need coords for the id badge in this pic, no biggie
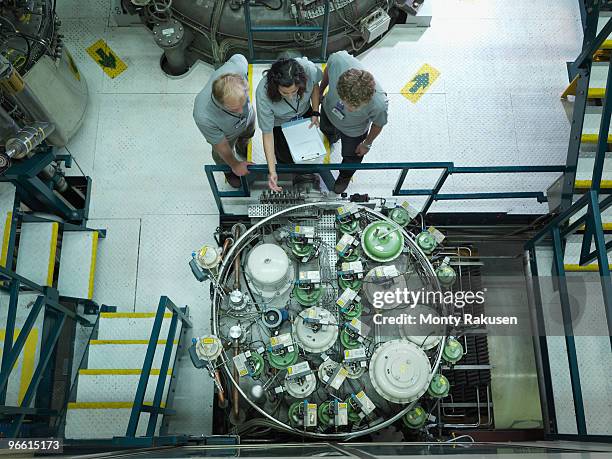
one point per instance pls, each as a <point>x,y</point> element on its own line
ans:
<point>338,110</point>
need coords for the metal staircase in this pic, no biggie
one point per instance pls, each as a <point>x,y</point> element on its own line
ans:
<point>569,260</point>
<point>38,257</point>
<point>127,376</point>
<point>122,363</point>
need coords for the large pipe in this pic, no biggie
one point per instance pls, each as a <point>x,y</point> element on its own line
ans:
<point>27,139</point>
<point>237,260</point>
<point>14,85</point>
<point>221,391</point>
<point>235,394</point>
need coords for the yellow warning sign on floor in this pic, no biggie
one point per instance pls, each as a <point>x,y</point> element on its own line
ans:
<point>420,83</point>
<point>106,58</point>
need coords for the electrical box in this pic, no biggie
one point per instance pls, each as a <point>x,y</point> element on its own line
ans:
<point>375,25</point>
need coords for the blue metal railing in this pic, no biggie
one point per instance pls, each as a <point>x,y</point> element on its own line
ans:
<point>558,229</point>
<point>433,194</point>
<point>155,409</point>
<point>46,301</point>
<point>323,29</point>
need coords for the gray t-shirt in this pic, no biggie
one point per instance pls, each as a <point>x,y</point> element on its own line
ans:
<point>213,120</point>
<point>270,114</point>
<point>352,124</point>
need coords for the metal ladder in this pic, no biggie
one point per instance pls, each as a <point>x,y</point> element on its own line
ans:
<point>324,30</point>
<point>567,224</point>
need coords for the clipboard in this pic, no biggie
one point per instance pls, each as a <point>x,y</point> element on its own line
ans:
<point>304,144</point>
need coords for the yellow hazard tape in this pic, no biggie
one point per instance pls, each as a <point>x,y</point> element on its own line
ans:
<point>132,315</point>
<point>119,371</point>
<point>104,405</point>
<point>577,268</point>
<point>106,58</point>
<point>52,251</point>
<point>586,184</point>
<point>6,238</point>
<point>593,138</point>
<point>92,266</point>
<point>420,83</point>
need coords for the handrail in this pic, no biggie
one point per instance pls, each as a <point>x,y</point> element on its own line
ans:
<point>47,292</point>
<point>434,194</point>
<point>155,408</point>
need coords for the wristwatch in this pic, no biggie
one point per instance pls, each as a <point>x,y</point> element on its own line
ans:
<point>367,145</point>
<point>315,113</point>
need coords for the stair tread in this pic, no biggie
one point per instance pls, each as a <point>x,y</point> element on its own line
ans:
<point>102,388</point>
<point>124,356</point>
<point>586,161</point>
<point>133,326</point>
<point>96,420</point>
<point>36,255</point>
<point>77,264</point>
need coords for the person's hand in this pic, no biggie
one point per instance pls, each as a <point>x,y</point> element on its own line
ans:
<point>240,169</point>
<point>273,182</point>
<point>361,149</point>
<point>314,121</point>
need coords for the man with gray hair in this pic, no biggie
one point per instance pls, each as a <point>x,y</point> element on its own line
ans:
<point>354,110</point>
<point>225,116</point>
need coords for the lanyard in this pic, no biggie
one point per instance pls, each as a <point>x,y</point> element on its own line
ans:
<point>297,108</point>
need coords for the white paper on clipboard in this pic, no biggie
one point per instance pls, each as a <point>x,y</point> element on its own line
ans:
<point>304,144</point>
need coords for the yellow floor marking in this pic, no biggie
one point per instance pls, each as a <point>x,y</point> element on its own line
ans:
<point>127,341</point>
<point>132,315</point>
<point>420,83</point>
<point>106,58</point>
<point>6,238</point>
<point>119,371</point>
<point>92,267</point>
<point>586,184</point>
<point>104,405</point>
<point>52,250</point>
<point>577,268</point>
<point>250,146</point>
<point>593,138</point>
<point>29,358</point>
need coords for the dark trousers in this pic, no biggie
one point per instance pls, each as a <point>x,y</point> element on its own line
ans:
<point>349,144</point>
<point>281,149</point>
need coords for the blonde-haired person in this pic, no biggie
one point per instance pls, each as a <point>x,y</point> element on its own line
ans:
<point>354,110</point>
<point>225,116</point>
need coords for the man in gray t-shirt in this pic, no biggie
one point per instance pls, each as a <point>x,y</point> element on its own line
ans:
<point>354,110</point>
<point>225,116</point>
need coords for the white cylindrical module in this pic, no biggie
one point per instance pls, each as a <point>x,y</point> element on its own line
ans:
<point>269,271</point>
<point>400,371</point>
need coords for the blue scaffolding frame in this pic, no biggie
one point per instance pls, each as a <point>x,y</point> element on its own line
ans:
<point>433,194</point>
<point>47,301</point>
